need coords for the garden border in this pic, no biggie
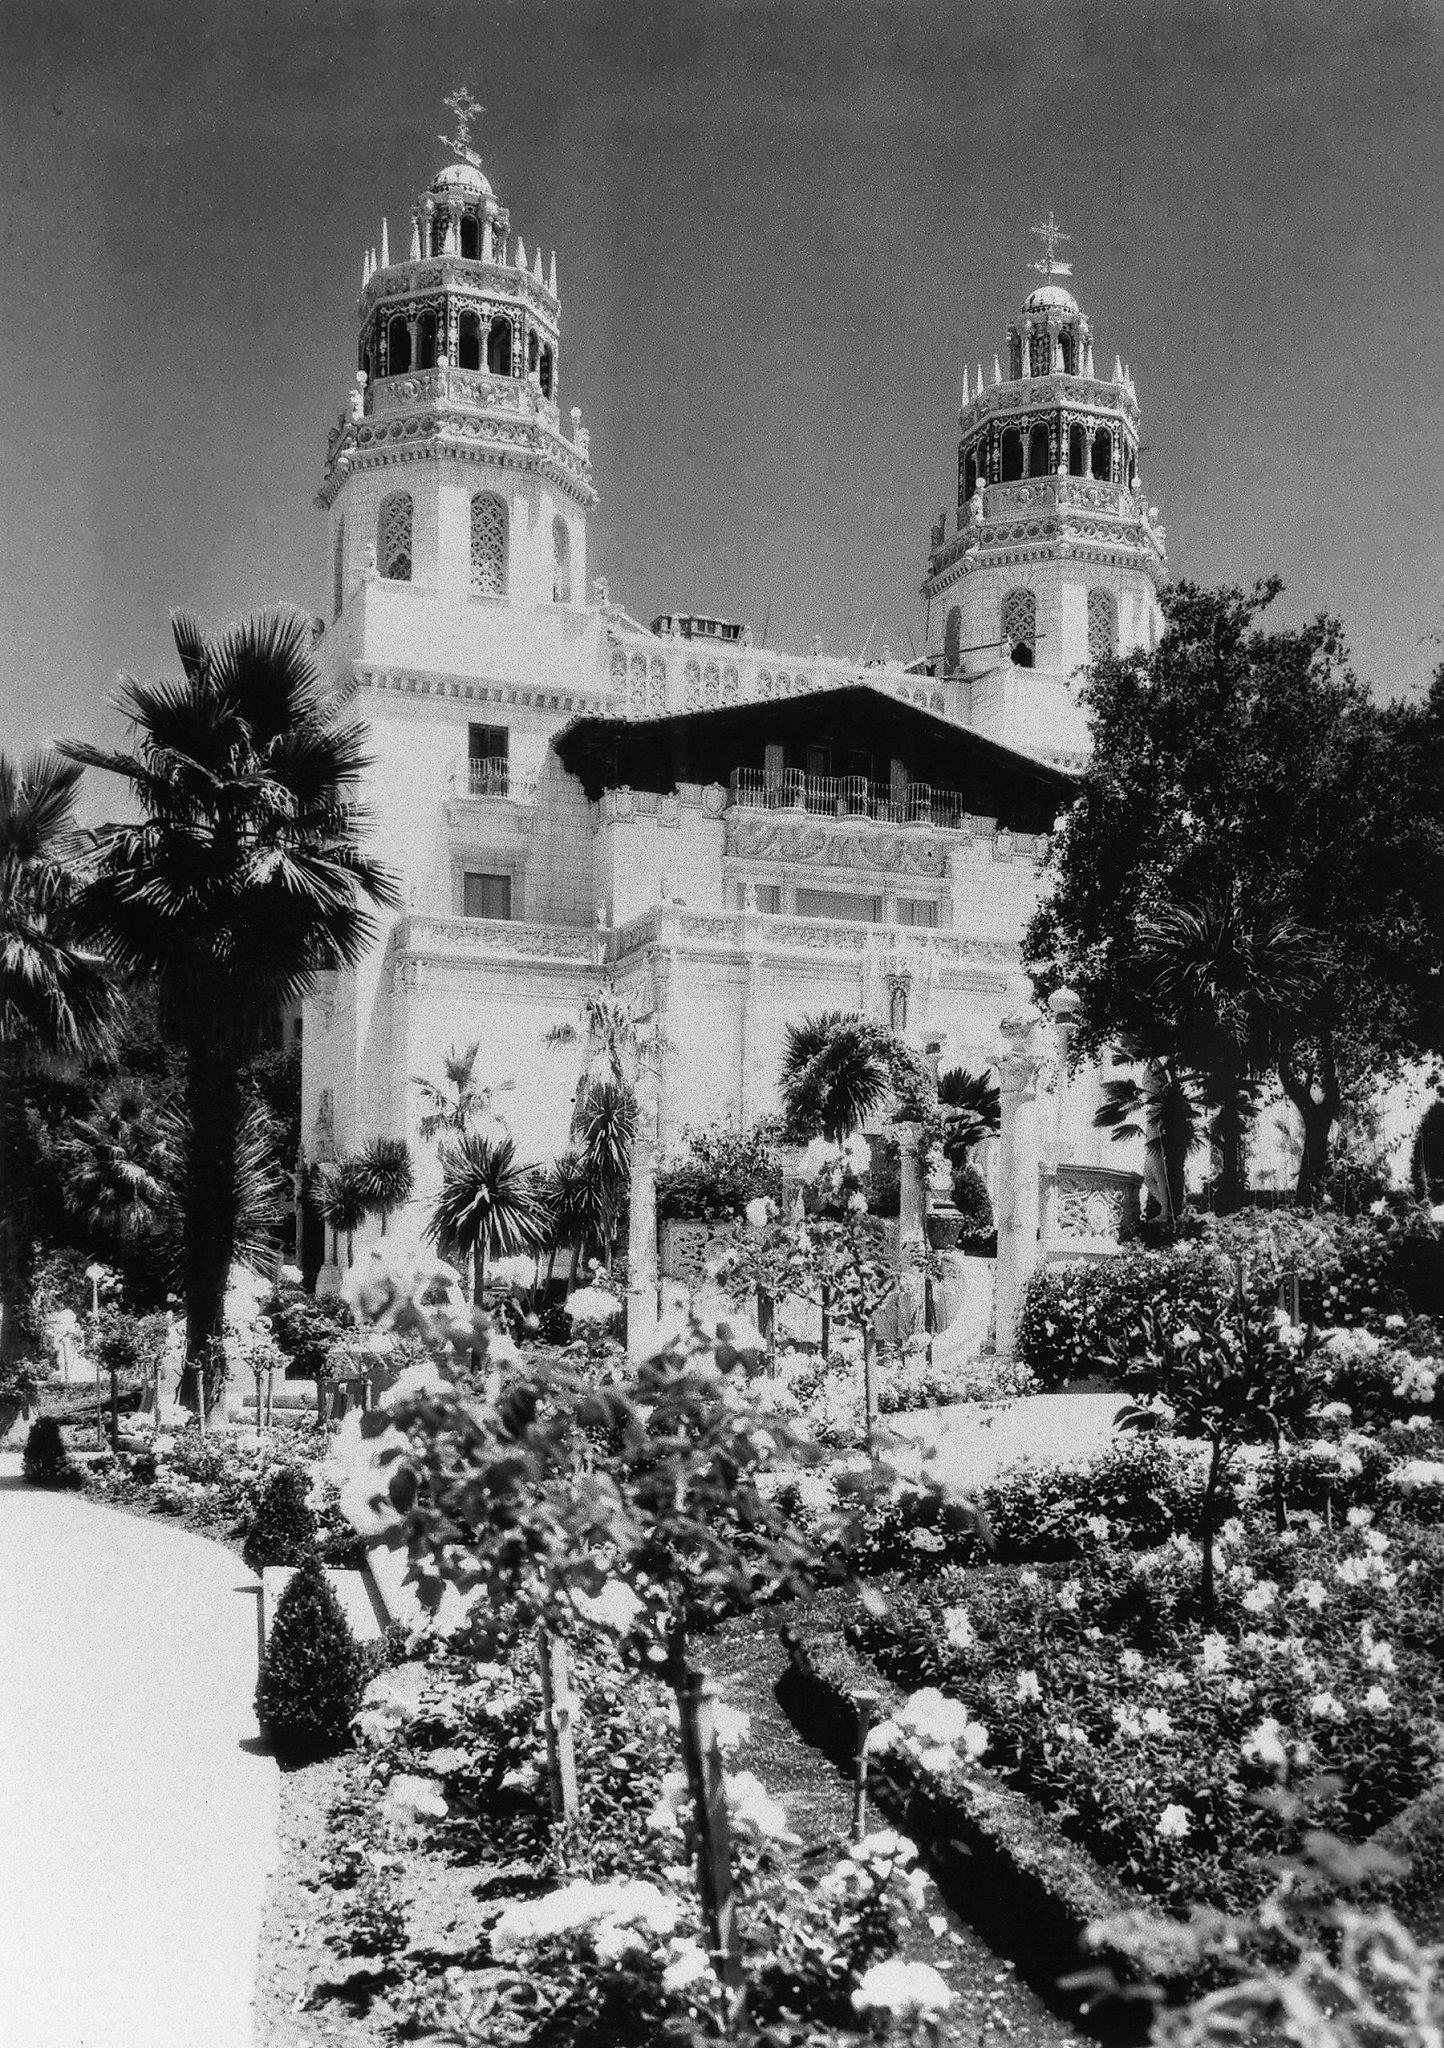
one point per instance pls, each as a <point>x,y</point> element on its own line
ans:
<point>1001,1862</point>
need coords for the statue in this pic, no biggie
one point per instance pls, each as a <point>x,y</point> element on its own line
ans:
<point>749,897</point>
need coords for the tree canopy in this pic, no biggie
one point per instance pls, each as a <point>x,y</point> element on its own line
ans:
<point>1247,795</point>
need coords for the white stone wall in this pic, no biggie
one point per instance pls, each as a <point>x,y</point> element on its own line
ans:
<point>644,841</point>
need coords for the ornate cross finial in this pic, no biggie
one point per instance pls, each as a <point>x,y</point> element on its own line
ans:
<point>1050,234</point>
<point>465,108</point>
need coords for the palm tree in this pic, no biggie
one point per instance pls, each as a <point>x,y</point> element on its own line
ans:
<point>55,998</point>
<point>238,887</point>
<point>345,1202</point>
<point>118,1164</point>
<point>571,1210</point>
<point>387,1176</point>
<point>1227,987</point>
<point>970,1108</point>
<point>459,1103</point>
<point>1160,1105</point>
<point>488,1205</point>
<point>836,1070</point>
<point>617,1049</point>
<point>608,1121</point>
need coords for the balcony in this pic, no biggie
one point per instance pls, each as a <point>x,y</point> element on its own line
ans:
<point>490,780</point>
<point>848,796</point>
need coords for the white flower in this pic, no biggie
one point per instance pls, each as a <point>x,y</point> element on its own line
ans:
<point>1028,1687</point>
<point>1260,1598</point>
<point>1420,1475</point>
<point>909,1991</point>
<point>934,1726</point>
<point>1379,1657</point>
<point>622,1903</point>
<point>688,1965</point>
<point>1156,1721</point>
<point>1214,1654</point>
<point>750,1803</point>
<point>1127,1722</point>
<point>730,1724</point>
<point>415,1798</point>
<point>1069,1731</point>
<point>1099,1528</point>
<point>1068,1596</point>
<point>1359,1518</point>
<point>1324,1707</point>
<point>884,1845</point>
<point>958,1629</point>
<point>1312,1592</point>
<point>925,1539</point>
<point>1376,1699</point>
<point>1131,1662</point>
<point>759,1213</point>
<point>665,1817</point>
<point>592,1308</point>
<point>616,1607</point>
<point>1173,1823</point>
<point>1265,1745</point>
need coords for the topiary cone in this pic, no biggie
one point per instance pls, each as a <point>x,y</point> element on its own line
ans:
<point>312,1678</point>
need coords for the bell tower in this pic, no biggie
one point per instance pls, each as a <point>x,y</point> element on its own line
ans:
<point>1051,556</point>
<point>450,469</point>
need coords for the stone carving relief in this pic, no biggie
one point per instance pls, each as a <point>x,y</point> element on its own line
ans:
<point>822,846</point>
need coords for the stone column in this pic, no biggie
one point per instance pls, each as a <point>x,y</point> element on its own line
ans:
<point>910,1211</point>
<point>1064,1005</point>
<point>1017,1207</point>
<point>642,1228</point>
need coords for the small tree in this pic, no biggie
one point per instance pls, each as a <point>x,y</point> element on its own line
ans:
<point>283,1528</point>
<point>46,1461</point>
<point>386,1176</point>
<point>489,1204</point>
<point>1240,1376</point>
<point>314,1673</point>
<point>345,1202</point>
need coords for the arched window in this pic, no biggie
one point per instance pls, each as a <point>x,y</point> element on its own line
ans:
<point>561,562</point>
<point>1102,624</point>
<point>970,475</point>
<point>438,234</point>
<point>470,238</point>
<point>338,568</point>
<point>426,342</point>
<point>1040,355</point>
<point>1103,454</point>
<point>546,372</point>
<point>398,347</point>
<point>468,342</point>
<point>1020,626</point>
<point>498,347</point>
<point>488,545</point>
<point>1070,352</point>
<point>393,537</point>
<point>1038,451</point>
<point>953,641</point>
<point>1077,451</point>
<point>533,353</point>
<point>1012,455</point>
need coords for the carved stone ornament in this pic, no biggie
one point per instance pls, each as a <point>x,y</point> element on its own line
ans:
<point>1018,1067</point>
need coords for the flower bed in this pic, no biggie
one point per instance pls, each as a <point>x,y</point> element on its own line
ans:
<point>1149,1739</point>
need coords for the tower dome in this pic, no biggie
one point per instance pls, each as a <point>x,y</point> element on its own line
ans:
<point>468,178</point>
<point>1050,557</point>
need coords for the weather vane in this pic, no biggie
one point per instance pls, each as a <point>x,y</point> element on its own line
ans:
<point>1051,235</point>
<point>465,108</point>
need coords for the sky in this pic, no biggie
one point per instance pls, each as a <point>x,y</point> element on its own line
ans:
<point>781,228</point>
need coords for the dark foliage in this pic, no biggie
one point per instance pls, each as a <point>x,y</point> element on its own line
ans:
<point>283,1528</point>
<point>46,1462</point>
<point>314,1672</point>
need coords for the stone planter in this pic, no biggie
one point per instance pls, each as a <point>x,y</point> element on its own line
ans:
<point>945,1230</point>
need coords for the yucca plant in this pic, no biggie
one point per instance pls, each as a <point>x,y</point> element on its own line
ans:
<point>387,1176</point>
<point>489,1205</point>
<point>607,1124</point>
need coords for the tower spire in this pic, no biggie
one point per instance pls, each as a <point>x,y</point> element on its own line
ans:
<point>1050,234</point>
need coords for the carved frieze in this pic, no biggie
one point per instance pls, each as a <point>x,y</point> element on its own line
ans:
<point>818,845</point>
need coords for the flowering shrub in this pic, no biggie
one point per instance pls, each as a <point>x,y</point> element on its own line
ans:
<point>1077,1318</point>
<point>720,1172</point>
<point>1150,1737</point>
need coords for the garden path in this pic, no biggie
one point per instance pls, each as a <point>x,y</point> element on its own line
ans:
<point>971,1442</point>
<point>137,1811</point>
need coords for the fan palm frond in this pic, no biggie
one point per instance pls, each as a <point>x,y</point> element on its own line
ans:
<point>489,1205</point>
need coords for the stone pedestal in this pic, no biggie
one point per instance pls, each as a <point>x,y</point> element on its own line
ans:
<point>910,1182</point>
<point>1018,1165</point>
<point>642,1231</point>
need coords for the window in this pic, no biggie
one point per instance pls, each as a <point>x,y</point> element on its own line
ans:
<point>1070,352</point>
<point>1012,455</point>
<point>426,342</point>
<point>488,751</point>
<point>1102,624</point>
<point>468,342</point>
<point>486,896</point>
<point>1020,626</point>
<point>916,910</point>
<point>561,562</point>
<point>1103,454</point>
<point>498,347</point>
<point>970,476</point>
<point>819,762</point>
<point>839,903</point>
<point>470,239</point>
<point>769,897</point>
<point>338,569</point>
<point>1077,451</point>
<point>953,640</point>
<point>393,537</point>
<point>488,545</point>
<point>548,371</point>
<point>398,348</point>
<point>1038,464</point>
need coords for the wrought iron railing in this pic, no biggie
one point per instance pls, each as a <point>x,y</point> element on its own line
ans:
<point>488,775</point>
<point>847,796</point>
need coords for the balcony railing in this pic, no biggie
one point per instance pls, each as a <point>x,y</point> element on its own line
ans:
<point>847,796</point>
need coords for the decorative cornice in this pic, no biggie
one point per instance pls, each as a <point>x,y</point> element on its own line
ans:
<point>442,430</point>
<point>1094,394</point>
<point>404,682</point>
<point>924,850</point>
<point>458,274</point>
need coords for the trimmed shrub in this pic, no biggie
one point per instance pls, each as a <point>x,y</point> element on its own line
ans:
<point>721,1171</point>
<point>970,1199</point>
<point>1083,1318</point>
<point>45,1461</point>
<point>314,1673</point>
<point>283,1528</point>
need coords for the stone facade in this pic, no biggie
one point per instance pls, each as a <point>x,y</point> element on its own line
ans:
<point>532,787</point>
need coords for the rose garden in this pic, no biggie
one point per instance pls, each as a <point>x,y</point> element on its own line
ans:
<point>714,1678</point>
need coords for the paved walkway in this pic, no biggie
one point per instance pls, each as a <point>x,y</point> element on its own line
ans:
<point>137,1816</point>
<point>971,1443</point>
